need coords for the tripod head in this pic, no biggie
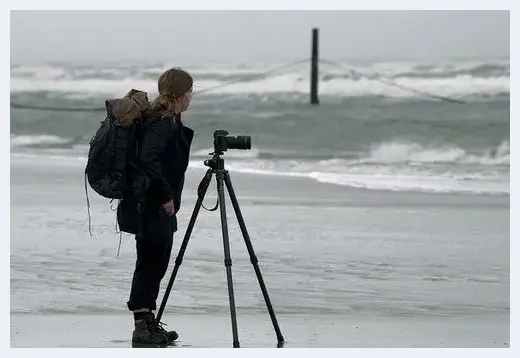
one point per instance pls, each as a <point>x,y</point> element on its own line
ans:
<point>215,163</point>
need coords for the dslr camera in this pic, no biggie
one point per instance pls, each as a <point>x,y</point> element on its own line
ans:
<point>222,141</point>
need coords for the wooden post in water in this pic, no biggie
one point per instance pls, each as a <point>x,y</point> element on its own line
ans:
<point>314,68</point>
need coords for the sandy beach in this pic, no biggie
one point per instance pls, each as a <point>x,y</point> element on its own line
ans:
<point>344,267</point>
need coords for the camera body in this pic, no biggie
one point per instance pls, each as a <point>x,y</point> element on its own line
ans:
<point>223,141</point>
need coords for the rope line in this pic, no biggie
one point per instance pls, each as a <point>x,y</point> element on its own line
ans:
<point>58,109</point>
<point>235,80</point>
<point>392,84</point>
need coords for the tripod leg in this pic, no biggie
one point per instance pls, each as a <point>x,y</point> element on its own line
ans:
<point>227,257</point>
<point>203,187</point>
<point>252,255</point>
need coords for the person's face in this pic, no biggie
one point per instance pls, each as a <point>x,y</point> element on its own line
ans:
<point>184,101</point>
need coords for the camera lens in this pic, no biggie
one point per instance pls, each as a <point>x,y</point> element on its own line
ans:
<point>239,142</point>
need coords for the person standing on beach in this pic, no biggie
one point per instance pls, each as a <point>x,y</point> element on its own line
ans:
<point>163,160</point>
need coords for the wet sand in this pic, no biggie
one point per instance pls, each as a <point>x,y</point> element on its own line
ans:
<point>256,331</point>
<point>344,267</point>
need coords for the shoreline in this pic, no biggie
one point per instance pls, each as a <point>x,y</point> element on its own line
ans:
<point>270,189</point>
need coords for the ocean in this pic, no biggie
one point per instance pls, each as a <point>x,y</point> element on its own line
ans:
<point>364,134</point>
<point>379,205</point>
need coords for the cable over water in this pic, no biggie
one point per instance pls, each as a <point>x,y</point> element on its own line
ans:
<point>237,79</point>
<point>57,109</point>
<point>392,84</point>
<point>268,72</point>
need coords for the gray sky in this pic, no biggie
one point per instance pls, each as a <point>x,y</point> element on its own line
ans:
<point>192,37</point>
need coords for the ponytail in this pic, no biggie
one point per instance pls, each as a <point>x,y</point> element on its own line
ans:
<point>164,105</point>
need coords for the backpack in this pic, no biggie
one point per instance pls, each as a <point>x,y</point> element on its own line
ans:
<point>114,147</point>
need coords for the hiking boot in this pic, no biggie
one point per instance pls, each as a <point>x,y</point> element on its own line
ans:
<point>172,335</point>
<point>146,334</point>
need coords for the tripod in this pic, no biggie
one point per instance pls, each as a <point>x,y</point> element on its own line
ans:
<point>216,166</point>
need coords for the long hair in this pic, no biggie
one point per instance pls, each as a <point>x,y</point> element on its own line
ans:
<point>172,85</point>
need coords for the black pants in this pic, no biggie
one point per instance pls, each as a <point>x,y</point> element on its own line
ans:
<point>153,256</point>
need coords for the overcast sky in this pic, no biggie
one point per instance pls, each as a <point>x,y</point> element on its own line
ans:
<point>238,36</point>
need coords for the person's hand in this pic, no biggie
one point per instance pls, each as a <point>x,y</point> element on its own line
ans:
<point>168,207</point>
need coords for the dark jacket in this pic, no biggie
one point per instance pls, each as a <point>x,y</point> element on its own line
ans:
<point>164,157</point>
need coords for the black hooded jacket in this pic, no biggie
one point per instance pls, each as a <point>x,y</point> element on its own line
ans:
<point>163,160</point>
<point>165,150</point>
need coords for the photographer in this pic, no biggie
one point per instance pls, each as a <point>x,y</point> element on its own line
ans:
<point>164,157</point>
